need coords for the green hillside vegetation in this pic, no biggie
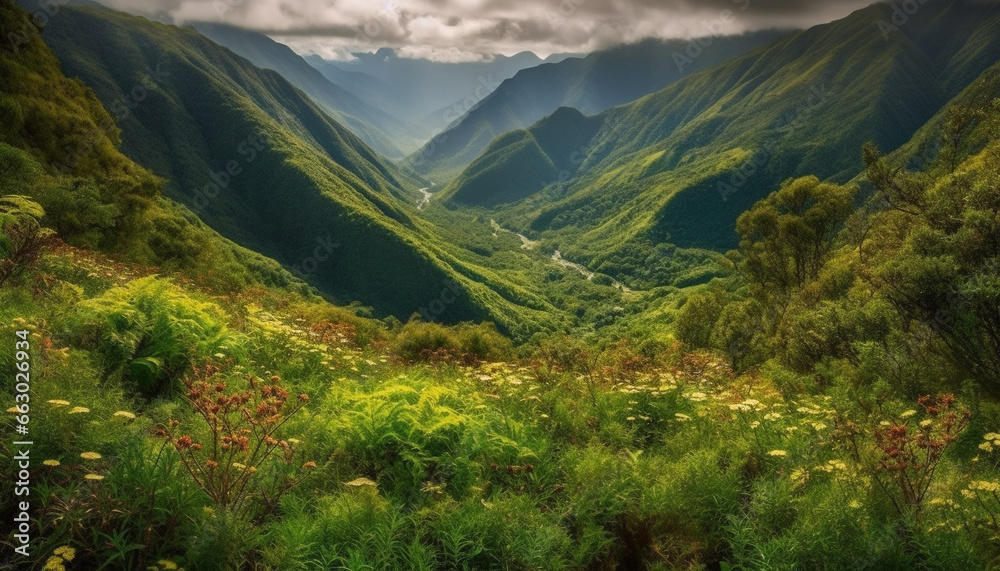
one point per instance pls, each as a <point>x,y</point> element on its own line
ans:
<point>258,161</point>
<point>389,135</point>
<point>590,84</point>
<point>523,162</point>
<point>831,403</point>
<point>676,168</point>
<point>60,147</point>
<point>188,427</point>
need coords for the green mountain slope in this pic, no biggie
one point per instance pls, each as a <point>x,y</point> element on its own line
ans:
<point>382,131</point>
<point>59,146</point>
<point>591,84</point>
<point>678,166</point>
<point>257,160</point>
<point>523,162</point>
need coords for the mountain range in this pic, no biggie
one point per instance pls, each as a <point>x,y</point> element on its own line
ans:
<point>677,167</point>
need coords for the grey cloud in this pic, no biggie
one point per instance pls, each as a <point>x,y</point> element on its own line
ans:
<point>487,26</point>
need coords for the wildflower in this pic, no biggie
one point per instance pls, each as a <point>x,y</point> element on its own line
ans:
<point>740,407</point>
<point>854,504</point>
<point>240,466</point>
<point>90,456</point>
<point>66,552</point>
<point>79,410</point>
<point>309,465</point>
<point>681,417</point>
<point>697,397</point>
<point>125,414</point>
<point>751,402</point>
<point>361,482</point>
<point>294,441</point>
<point>780,453</point>
<point>13,409</point>
<point>94,477</point>
<point>167,564</point>
<point>908,414</point>
<point>991,436</point>
<point>630,419</point>
<point>58,402</point>
<point>754,425</point>
<point>817,426</point>
<point>984,486</point>
<point>51,462</point>
<point>54,563</point>
<point>986,446</point>
<point>772,416</point>
<point>926,423</point>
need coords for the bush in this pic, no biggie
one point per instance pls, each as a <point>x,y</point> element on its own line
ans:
<point>22,237</point>
<point>149,332</point>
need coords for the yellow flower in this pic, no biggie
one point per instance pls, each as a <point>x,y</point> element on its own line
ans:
<point>681,417</point>
<point>779,453</point>
<point>94,477</point>
<point>817,426</point>
<point>51,462</point>
<point>79,410</point>
<point>854,504</point>
<point>294,441</point>
<point>54,563</point>
<point>991,436</point>
<point>926,423</point>
<point>772,416</point>
<point>167,564</point>
<point>125,414</point>
<point>240,466</point>
<point>984,486</point>
<point>986,446</point>
<point>58,402</point>
<point>908,414</point>
<point>90,456</point>
<point>66,552</point>
<point>13,409</point>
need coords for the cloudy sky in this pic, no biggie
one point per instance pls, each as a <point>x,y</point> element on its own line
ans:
<point>456,30</point>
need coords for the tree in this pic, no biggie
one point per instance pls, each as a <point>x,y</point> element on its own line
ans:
<point>788,236</point>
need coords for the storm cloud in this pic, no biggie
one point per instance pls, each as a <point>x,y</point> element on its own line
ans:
<point>473,29</point>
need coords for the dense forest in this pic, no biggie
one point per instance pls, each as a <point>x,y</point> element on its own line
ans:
<point>824,396</point>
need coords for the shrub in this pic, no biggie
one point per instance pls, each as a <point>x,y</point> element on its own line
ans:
<point>235,465</point>
<point>149,331</point>
<point>22,237</point>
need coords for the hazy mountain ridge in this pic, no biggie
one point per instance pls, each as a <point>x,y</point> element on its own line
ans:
<point>667,168</point>
<point>389,135</point>
<point>591,84</point>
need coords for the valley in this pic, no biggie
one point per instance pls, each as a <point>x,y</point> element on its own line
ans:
<point>301,292</point>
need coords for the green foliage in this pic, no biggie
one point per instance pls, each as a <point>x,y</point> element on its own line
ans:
<point>22,237</point>
<point>420,341</point>
<point>148,332</point>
